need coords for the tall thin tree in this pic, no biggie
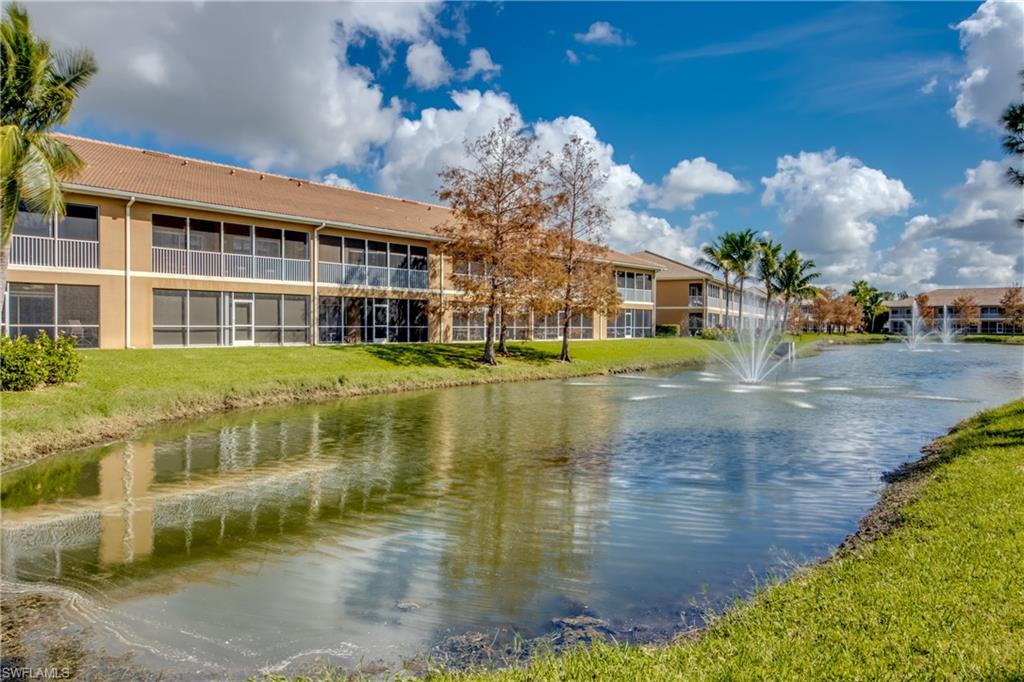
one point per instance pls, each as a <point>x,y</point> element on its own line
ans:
<point>498,205</point>
<point>742,248</point>
<point>716,257</point>
<point>794,281</point>
<point>769,254</point>
<point>38,87</point>
<point>580,272</point>
<point>1013,142</point>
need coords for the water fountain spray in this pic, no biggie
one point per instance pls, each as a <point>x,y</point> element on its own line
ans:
<point>916,331</point>
<point>754,353</point>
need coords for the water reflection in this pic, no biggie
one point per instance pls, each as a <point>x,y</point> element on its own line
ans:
<point>373,528</point>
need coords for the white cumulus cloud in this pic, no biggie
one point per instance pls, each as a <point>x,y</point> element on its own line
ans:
<point>603,33</point>
<point>420,147</point>
<point>691,179</point>
<point>828,206</point>
<point>480,64</point>
<point>993,43</point>
<point>977,243</point>
<point>428,69</point>
<point>268,84</point>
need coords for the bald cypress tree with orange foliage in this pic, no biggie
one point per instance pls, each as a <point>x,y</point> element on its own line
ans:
<point>498,205</point>
<point>578,275</point>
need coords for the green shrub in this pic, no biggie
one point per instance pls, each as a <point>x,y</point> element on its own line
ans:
<point>718,334</point>
<point>59,357</point>
<point>21,365</point>
<point>25,364</point>
<point>666,330</point>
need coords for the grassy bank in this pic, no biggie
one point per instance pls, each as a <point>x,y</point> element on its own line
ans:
<point>850,339</point>
<point>119,391</point>
<point>994,338</point>
<point>931,588</point>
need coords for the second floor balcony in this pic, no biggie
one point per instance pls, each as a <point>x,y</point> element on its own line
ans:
<point>636,295</point>
<point>54,252</point>
<point>347,274</point>
<point>217,264</point>
<point>696,301</point>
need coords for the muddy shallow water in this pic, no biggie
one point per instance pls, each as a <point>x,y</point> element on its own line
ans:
<point>378,528</point>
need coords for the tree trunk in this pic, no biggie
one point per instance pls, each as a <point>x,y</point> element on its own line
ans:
<point>565,336</point>
<point>785,314</point>
<point>489,358</point>
<point>740,330</point>
<point>503,334</point>
<point>728,298</point>
<point>5,254</point>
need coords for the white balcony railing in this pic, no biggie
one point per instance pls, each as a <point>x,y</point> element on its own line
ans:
<point>375,276</point>
<point>50,252</point>
<point>696,301</point>
<point>636,295</point>
<point>215,264</point>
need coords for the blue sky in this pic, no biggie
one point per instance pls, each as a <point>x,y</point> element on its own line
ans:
<point>749,99</point>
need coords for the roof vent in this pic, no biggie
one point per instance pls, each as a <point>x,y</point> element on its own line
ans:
<point>185,162</point>
<point>231,172</point>
<point>262,176</point>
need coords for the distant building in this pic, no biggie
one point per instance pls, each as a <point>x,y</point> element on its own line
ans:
<point>992,316</point>
<point>695,299</point>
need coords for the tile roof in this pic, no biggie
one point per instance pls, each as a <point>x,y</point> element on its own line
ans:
<point>988,296</point>
<point>131,170</point>
<point>673,269</point>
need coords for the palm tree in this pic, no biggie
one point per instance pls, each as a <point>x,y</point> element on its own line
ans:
<point>716,257</point>
<point>793,281</point>
<point>743,247</point>
<point>1013,143</point>
<point>37,88</point>
<point>862,293</point>
<point>768,256</point>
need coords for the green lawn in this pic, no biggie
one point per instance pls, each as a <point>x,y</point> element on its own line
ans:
<point>994,338</point>
<point>119,391</point>
<point>843,339</point>
<point>941,597</point>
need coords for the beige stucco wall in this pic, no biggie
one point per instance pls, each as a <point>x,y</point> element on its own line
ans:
<point>111,278</point>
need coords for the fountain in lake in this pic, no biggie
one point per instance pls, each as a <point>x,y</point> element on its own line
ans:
<point>916,331</point>
<point>947,330</point>
<point>755,352</point>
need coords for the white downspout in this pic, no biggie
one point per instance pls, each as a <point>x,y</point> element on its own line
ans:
<point>316,284</point>
<point>440,323</point>
<point>128,273</point>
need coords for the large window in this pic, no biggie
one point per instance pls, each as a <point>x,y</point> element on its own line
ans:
<point>31,224</point>
<point>204,235</point>
<point>169,231</point>
<point>203,318</point>
<point>80,222</point>
<point>344,319</point>
<point>631,323</point>
<point>53,309</point>
<point>550,326</point>
<point>469,325</point>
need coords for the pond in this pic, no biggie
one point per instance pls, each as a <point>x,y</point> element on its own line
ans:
<point>378,528</point>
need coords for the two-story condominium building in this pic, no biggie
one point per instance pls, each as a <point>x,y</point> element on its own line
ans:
<point>993,318</point>
<point>161,250</point>
<point>695,299</point>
